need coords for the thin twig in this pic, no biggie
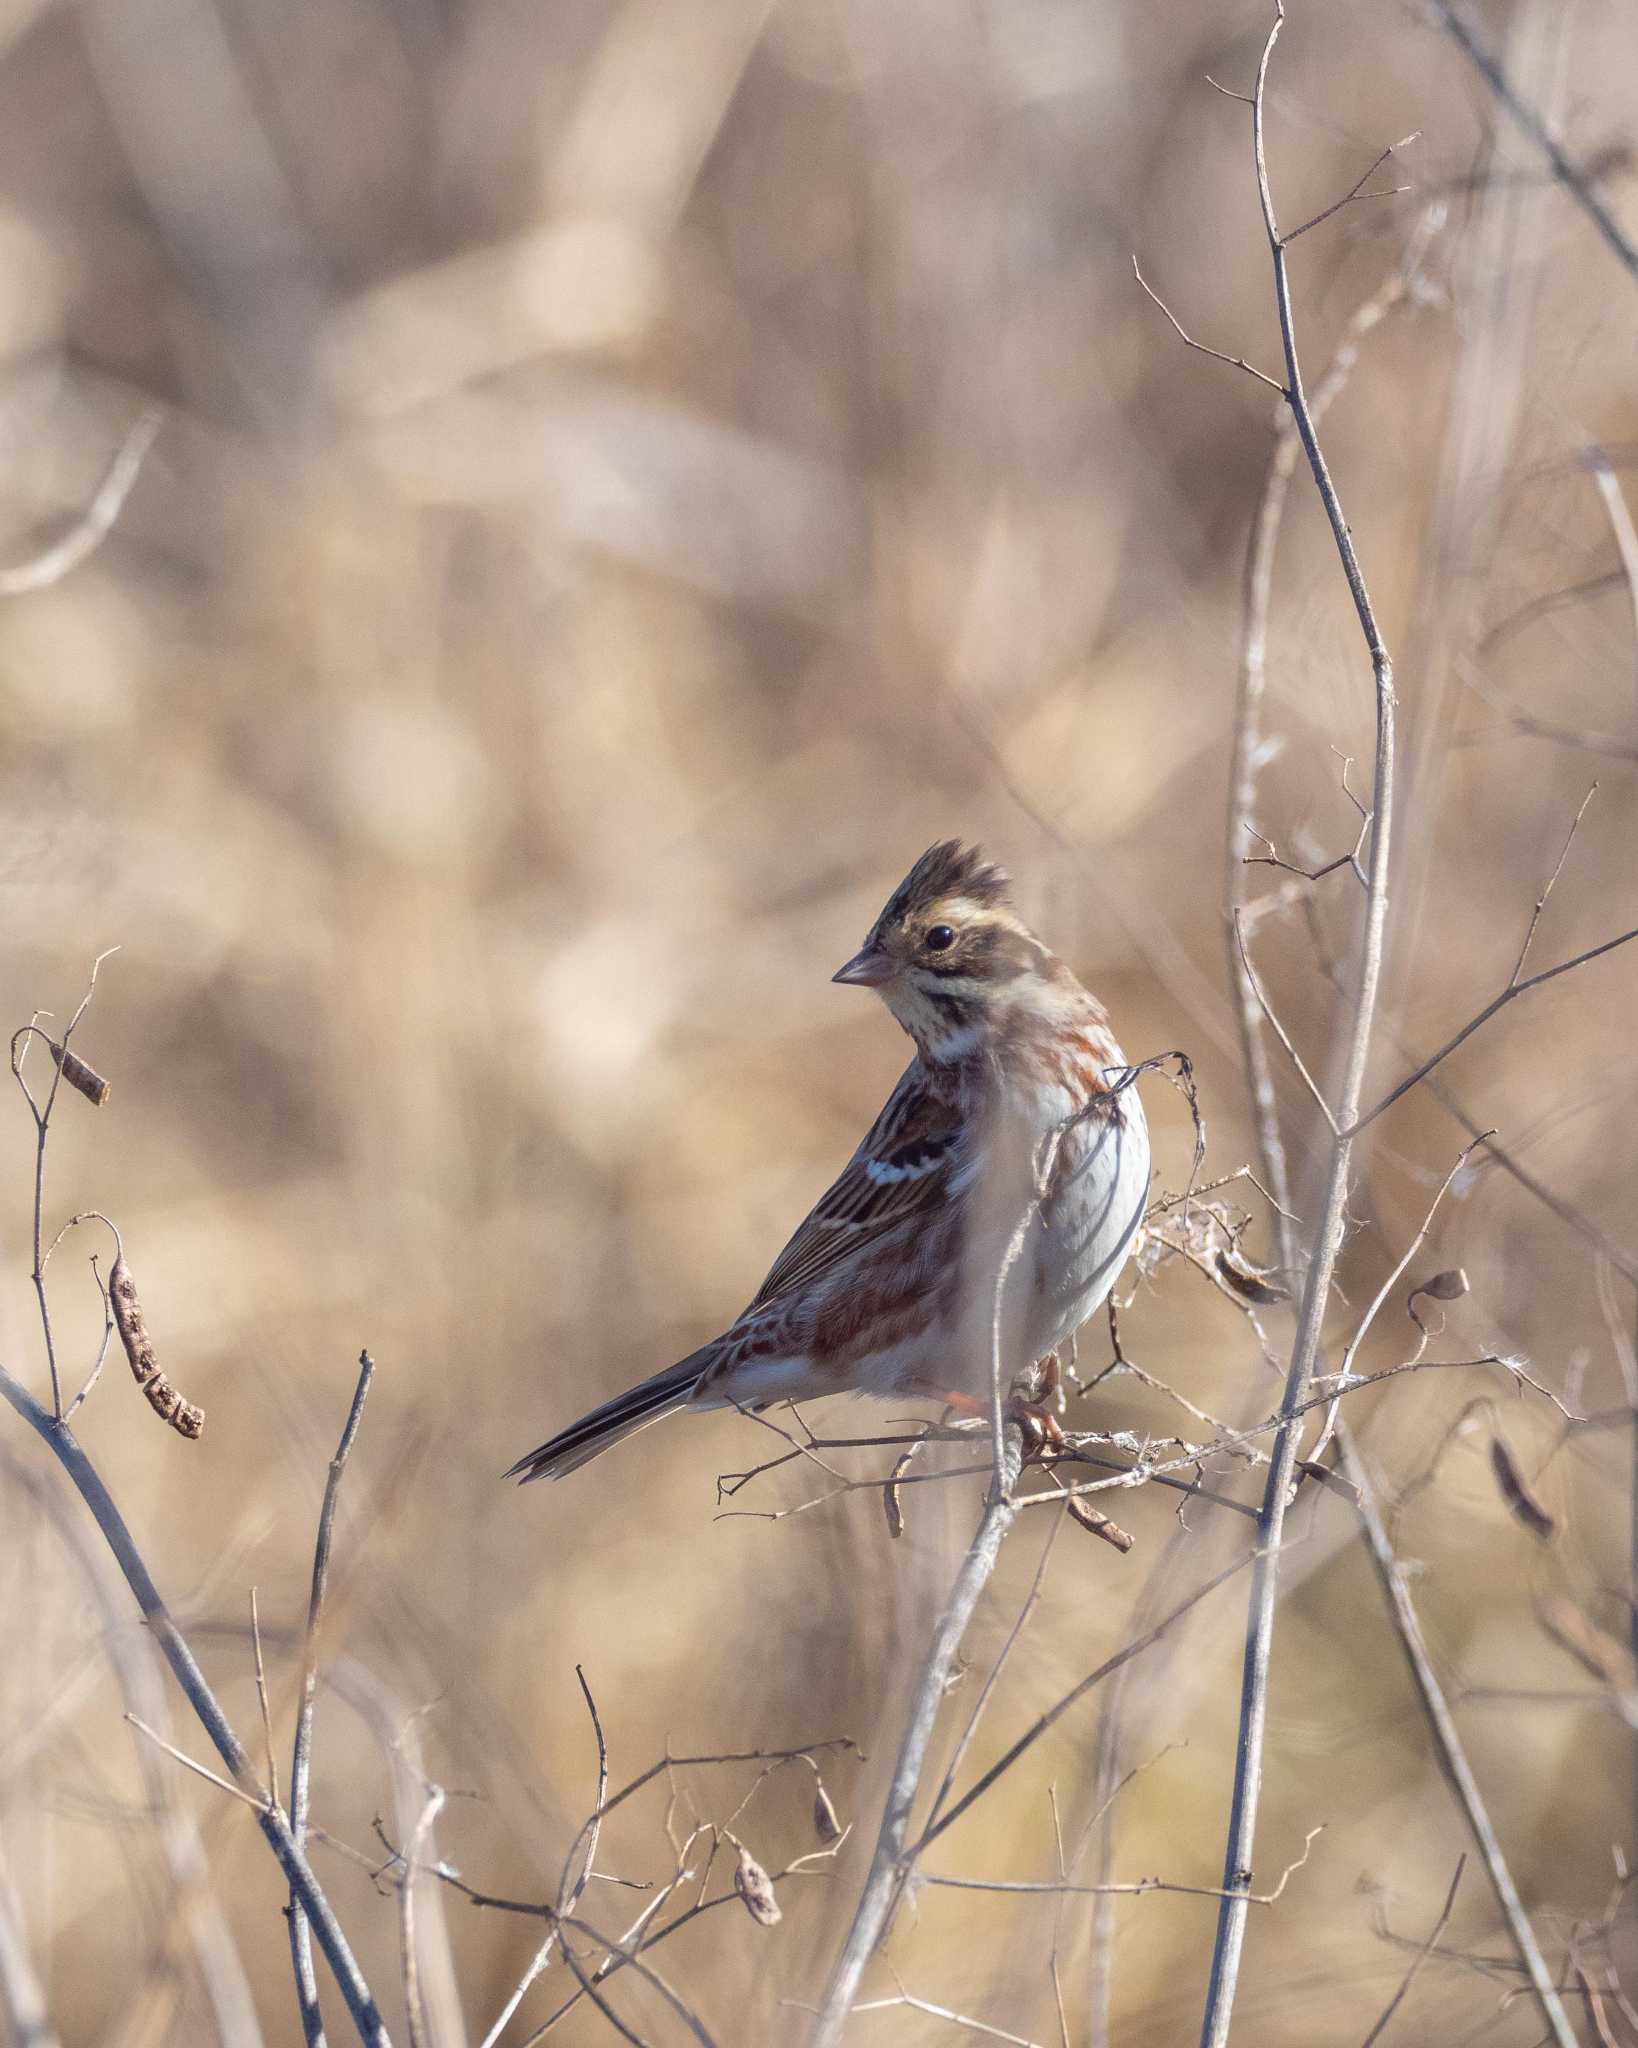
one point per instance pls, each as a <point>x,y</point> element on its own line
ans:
<point>261,1695</point>
<point>1242,807</point>
<point>21,1040</point>
<point>1238,1857</point>
<point>258,1802</point>
<point>1279,1029</point>
<point>1419,1958</point>
<point>1574,180</point>
<point>1136,1887</point>
<point>1055,1713</point>
<point>944,2012</point>
<point>303,1884</point>
<point>1355,190</point>
<point>1188,340</point>
<point>885,1881</point>
<point>1345,1370</point>
<point>87,533</point>
<point>958,1755</point>
<point>1511,993</point>
<point>1453,1757</point>
<point>301,1756</point>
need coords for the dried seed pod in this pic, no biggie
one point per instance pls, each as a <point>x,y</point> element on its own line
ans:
<point>166,1402</point>
<point>1099,1525</point>
<point>78,1074</point>
<point>1516,1494</point>
<point>1450,1285</point>
<point>1251,1283</point>
<point>825,1823</point>
<point>755,1887</point>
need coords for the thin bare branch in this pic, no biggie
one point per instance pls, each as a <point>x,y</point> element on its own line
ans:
<point>1575,180</point>
<point>304,1885</point>
<point>1133,1888</point>
<point>1419,1958</point>
<point>1055,1713</point>
<point>301,1757</point>
<point>1238,1855</point>
<point>1356,189</point>
<point>258,1802</point>
<point>88,532</point>
<point>261,1696</point>
<point>1188,340</point>
<point>1258,589</point>
<point>1547,890</point>
<point>1510,994</point>
<point>1452,1757</point>
<point>1279,1029</point>
<point>1345,1370</point>
<point>944,2012</point>
<point>889,1863</point>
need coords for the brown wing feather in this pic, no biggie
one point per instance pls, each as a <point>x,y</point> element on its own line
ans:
<point>903,1168</point>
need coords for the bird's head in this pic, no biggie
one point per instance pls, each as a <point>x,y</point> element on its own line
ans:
<point>948,956</point>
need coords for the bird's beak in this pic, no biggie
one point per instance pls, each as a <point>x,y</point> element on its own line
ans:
<point>869,968</point>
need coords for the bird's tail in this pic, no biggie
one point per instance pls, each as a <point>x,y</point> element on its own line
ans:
<point>622,1417</point>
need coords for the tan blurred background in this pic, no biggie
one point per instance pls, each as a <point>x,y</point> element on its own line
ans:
<point>631,474</point>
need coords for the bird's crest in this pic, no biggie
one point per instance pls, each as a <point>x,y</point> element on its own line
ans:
<point>945,870</point>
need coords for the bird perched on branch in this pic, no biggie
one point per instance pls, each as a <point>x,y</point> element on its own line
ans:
<point>987,1212</point>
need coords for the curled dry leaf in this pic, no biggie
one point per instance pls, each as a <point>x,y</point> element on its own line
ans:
<point>1523,1503</point>
<point>825,1823</point>
<point>79,1074</point>
<point>1251,1283</point>
<point>166,1402</point>
<point>755,1887</point>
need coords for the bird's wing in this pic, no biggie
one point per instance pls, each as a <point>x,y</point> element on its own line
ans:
<point>904,1168</point>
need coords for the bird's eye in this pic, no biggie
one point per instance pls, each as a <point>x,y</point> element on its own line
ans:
<point>940,939</point>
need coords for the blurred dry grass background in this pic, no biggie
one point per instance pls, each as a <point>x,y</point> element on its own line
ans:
<point>633,473</point>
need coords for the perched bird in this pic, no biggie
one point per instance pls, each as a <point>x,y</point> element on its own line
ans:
<point>1016,1115</point>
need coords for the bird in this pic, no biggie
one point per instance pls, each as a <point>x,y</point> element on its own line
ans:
<point>989,1208</point>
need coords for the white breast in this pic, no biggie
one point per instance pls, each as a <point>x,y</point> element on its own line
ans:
<point>1100,1192</point>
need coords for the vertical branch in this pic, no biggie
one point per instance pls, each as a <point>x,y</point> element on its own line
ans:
<point>1257,594</point>
<point>1242,1829</point>
<point>301,1760</point>
<point>891,1864</point>
<point>1258,586</point>
<point>886,1879</point>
